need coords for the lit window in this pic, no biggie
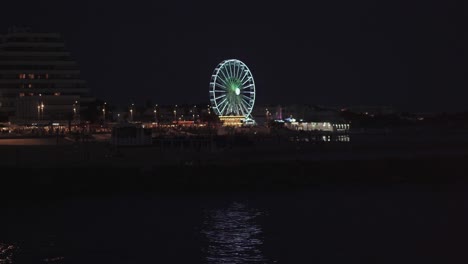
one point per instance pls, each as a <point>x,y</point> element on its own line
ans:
<point>56,94</point>
<point>31,94</point>
<point>21,94</point>
<point>30,85</point>
<point>22,76</point>
<point>31,76</point>
<point>47,76</point>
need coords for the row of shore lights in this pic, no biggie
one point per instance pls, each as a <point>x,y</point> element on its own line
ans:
<point>155,111</point>
<point>41,106</point>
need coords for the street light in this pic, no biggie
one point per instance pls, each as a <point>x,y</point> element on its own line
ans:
<point>75,110</point>
<point>42,110</point>
<point>193,112</point>
<point>131,112</point>
<point>155,111</point>
<point>74,114</point>
<point>104,112</point>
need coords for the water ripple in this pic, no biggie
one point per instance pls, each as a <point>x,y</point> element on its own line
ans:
<point>233,236</point>
<point>6,253</point>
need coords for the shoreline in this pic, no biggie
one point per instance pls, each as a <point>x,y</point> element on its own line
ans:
<point>57,183</point>
<point>64,168</point>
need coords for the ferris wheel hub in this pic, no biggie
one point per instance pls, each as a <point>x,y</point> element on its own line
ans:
<point>237,91</point>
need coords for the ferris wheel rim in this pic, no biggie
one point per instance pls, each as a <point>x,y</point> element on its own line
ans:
<point>229,71</point>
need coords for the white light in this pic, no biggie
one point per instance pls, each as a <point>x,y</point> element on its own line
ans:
<point>237,91</point>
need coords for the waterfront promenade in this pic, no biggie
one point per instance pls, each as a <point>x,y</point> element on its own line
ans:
<point>46,166</point>
<point>64,152</point>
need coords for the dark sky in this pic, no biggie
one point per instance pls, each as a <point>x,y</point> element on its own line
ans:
<point>407,54</point>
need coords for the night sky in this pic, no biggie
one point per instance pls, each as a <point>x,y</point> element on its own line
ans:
<point>406,54</point>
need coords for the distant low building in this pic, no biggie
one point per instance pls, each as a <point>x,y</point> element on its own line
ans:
<point>234,121</point>
<point>318,126</point>
<point>300,112</point>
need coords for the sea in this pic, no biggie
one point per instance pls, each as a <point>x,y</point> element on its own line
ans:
<point>330,223</point>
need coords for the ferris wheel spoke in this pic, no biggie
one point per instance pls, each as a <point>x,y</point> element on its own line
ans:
<point>221,73</point>
<point>224,101</point>
<point>221,96</point>
<point>248,110</point>
<point>229,70</point>
<point>221,103</point>
<point>224,108</point>
<point>224,75</point>
<point>246,106</point>
<point>242,108</point>
<point>232,67</point>
<point>225,72</point>
<point>241,72</point>
<point>234,72</point>
<point>221,86</point>
<point>238,71</point>
<point>248,79</point>
<point>222,80</point>
<point>235,109</point>
<point>247,98</point>
<point>228,74</point>
<point>248,94</point>
<point>248,86</point>
<point>247,102</point>
<point>246,74</point>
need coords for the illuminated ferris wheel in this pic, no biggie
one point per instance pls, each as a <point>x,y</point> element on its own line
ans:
<point>232,89</point>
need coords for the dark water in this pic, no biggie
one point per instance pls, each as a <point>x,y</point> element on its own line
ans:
<point>330,224</point>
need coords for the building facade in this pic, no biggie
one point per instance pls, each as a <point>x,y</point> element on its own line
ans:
<point>39,80</point>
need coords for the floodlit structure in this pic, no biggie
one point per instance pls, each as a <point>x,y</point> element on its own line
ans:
<point>232,91</point>
<point>235,121</point>
<point>318,126</point>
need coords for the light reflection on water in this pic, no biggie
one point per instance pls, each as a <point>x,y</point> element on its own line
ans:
<point>233,236</point>
<point>6,253</point>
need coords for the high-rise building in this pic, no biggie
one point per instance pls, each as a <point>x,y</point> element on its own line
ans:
<point>39,80</point>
